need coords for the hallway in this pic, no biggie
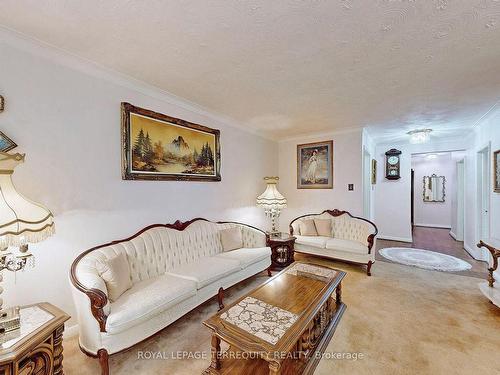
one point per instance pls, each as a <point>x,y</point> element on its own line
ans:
<point>438,240</point>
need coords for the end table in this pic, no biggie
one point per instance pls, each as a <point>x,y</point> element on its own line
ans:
<point>37,347</point>
<point>282,250</point>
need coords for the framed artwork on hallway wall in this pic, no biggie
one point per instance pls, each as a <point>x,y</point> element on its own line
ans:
<point>315,165</point>
<point>374,172</point>
<point>496,171</point>
<point>160,147</point>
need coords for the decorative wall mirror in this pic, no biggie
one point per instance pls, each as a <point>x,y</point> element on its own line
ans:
<point>434,189</point>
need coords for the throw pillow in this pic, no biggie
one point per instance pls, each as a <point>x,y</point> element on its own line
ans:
<point>323,227</point>
<point>115,272</point>
<point>307,228</point>
<point>231,239</point>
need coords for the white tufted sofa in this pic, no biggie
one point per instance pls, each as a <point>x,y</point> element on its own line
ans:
<point>351,240</point>
<point>174,268</point>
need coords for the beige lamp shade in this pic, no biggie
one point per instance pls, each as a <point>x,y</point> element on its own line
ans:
<point>21,220</point>
<point>271,199</point>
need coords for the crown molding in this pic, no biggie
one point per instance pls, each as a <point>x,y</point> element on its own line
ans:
<point>68,59</point>
<point>489,112</point>
<point>309,136</point>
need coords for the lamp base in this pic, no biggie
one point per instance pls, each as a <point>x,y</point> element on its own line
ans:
<point>10,320</point>
<point>275,233</point>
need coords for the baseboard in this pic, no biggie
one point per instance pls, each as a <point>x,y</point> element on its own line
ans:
<point>70,331</point>
<point>399,239</point>
<point>476,253</point>
<point>433,226</point>
<point>453,235</point>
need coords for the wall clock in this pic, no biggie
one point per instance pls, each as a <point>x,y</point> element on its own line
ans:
<point>393,164</point>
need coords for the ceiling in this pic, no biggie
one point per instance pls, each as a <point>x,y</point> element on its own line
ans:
<point>288,67</point>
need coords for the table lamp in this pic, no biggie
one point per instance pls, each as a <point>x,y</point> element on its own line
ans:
<point>272,201</point>
<point>21,222</point>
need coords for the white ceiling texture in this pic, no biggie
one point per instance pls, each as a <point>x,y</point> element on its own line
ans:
<point>286,68</point>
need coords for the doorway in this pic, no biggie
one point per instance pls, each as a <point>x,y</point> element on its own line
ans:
<point>483,193</point>
<point>412,209</point>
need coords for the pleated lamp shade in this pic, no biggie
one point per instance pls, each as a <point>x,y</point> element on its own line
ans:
<point>271,198</point>
<point>21,220</point>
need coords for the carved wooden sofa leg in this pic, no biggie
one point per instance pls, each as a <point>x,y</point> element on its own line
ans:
<point>220,298</point>
<point>369,267</point>
<point>269,271</point>
<point>103,361</point>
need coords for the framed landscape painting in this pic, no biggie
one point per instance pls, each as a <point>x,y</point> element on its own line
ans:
<point>315,165</point>
<point>160,147</point>
<point>496,171</point>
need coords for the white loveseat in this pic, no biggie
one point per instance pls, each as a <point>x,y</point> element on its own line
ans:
<point>173,269</point>
<point>351,238</point>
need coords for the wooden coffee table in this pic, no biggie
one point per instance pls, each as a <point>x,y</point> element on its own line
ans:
<point>281,327</point>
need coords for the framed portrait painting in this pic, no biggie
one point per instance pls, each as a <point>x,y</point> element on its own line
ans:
<point>496,171</point>
<point>160,147</point>
<point>315,165</point>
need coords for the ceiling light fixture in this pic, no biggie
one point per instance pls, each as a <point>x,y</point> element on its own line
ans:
<point>419,136</point>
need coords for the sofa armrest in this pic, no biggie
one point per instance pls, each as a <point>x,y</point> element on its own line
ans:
<point>253,237</point>
<point>86,280</point>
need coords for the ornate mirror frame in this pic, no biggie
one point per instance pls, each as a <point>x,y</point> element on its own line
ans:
<point>444,189</point>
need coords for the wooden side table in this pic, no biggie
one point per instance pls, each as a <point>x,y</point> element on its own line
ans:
<point>37,348</point>
<point>282,250</point>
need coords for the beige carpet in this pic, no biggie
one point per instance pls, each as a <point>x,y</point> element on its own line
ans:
<point>403,320</point>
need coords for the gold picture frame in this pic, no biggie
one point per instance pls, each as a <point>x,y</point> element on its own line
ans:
<point>374,171</point>
<point>315,165</point>
<point>159,147</point>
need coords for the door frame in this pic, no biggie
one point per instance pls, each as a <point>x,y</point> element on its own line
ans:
<point>367,184</point>
<point>460,230</point>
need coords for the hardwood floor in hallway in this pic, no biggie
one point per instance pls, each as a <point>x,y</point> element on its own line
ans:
<point>440,241</point>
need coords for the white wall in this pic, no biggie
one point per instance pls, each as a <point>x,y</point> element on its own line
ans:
<point>347,158</point>
<point>393,197</point>
<point>434,214</point>
<point>65,114</point>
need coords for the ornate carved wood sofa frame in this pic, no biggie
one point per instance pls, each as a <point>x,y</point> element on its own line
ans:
<point>352,238</point>
<point>490,290</point>
<point>181,255</point>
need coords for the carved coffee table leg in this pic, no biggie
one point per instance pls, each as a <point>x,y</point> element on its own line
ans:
<point>220,298</point>
<point>58,351</point>
<point>215,351</point>
<point>274,368</point>
<point>338,293</point>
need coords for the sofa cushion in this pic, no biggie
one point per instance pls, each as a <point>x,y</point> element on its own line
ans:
<point>307,228</point>
<point>323,227</point>
<point>247,256</point>
<point>206,270</point>
<point>231,238</point>
<point>146,299</point>
<point>317,241</point>
<point>346,245</point>
<point>115,272</point>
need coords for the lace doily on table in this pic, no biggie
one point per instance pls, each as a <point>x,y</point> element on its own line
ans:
<point>260,319</point>
<point>301,269</point>
<point>32,318</point>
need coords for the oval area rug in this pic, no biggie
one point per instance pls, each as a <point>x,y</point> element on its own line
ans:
<point>425,259</point>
